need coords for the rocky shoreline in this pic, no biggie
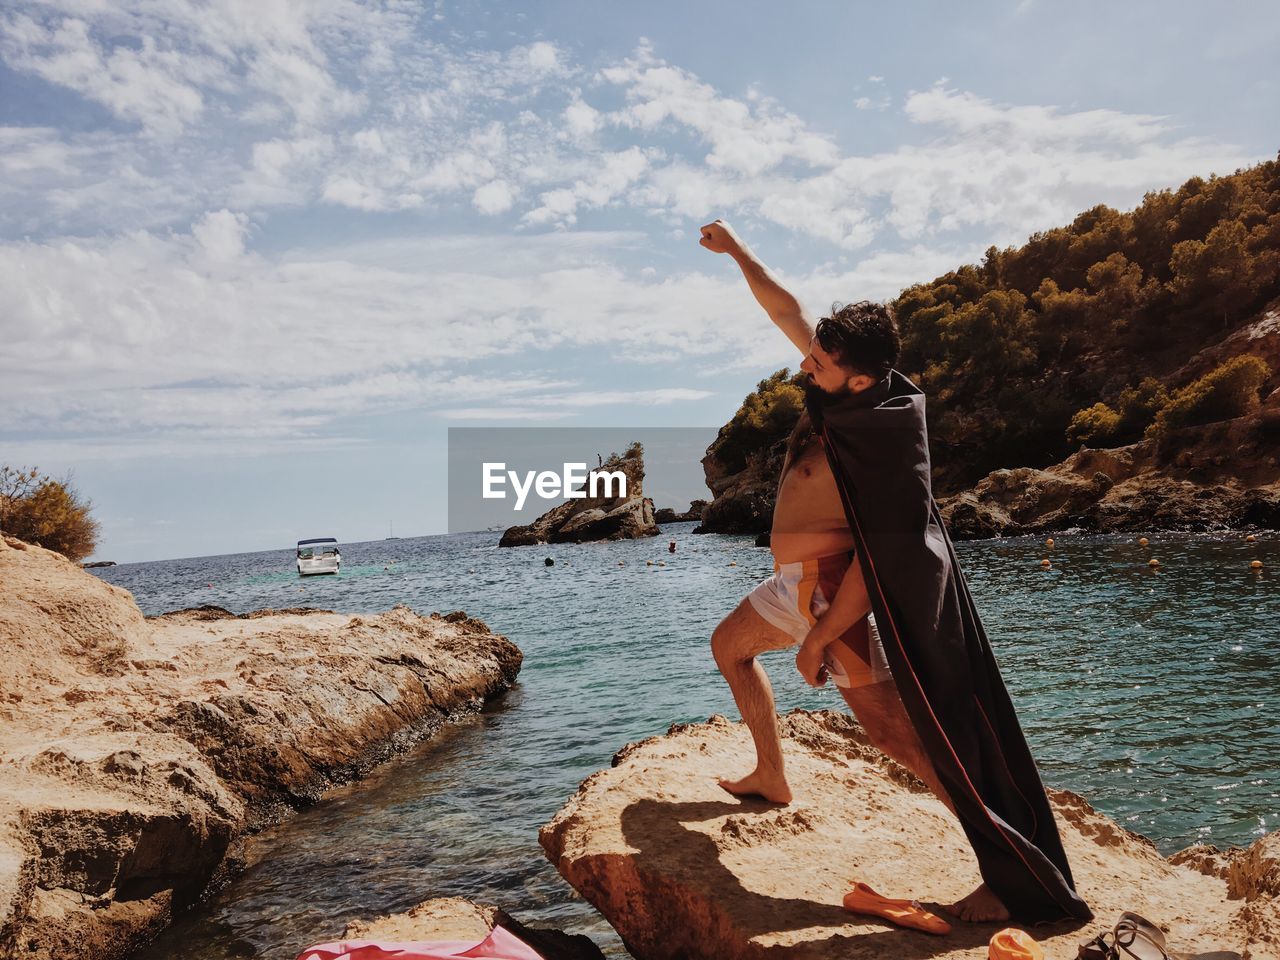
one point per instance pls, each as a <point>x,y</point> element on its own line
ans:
<point>137,752</point>
<point>681,869</point>
<point>1218,476</point>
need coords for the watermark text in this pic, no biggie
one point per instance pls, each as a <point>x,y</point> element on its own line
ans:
<point>573,482</point>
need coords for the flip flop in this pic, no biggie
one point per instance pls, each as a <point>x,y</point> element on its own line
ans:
<point>1153,933</point>
<point>904,913</point>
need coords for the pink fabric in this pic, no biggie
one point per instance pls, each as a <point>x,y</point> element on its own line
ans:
<point>500,944</point>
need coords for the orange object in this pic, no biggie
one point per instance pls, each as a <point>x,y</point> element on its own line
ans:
<point>905,913</point>
<point>1013,944</point>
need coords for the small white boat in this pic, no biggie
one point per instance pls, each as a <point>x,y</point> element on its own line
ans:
<point>320,555</point>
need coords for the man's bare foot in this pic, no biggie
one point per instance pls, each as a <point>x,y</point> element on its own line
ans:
<point>981,906</point>
<point>755,784</point>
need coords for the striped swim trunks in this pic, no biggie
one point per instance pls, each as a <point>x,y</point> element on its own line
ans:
<point>798,594</point>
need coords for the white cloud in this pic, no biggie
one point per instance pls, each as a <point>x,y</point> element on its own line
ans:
<point>543,57</point>
<point>613,174</point>
<point>745,138</point>
<point>361,107</point>
<point>163,65</point>
<point>189,333</point>
<point>968,113</point>
<point>221,235</point>
<point>494,197</point>
<point>154,87</point>
<point>582,118</point>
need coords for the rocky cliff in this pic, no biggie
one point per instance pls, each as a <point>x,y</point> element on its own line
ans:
<point>135,752</point>
<point>1216,476</point>
<point>682,870</point>
<point>585,519</point>
<point>742,500</point>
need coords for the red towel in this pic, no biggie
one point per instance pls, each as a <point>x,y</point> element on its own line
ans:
<point>499,945</point>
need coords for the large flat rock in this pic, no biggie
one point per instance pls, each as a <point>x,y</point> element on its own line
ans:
<point>683,870</point>
<point>135,752</point>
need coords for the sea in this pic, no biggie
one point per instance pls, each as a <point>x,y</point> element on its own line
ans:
<point>1151,691</point>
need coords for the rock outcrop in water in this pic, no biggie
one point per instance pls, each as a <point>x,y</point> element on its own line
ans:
<point>587,519</point>
<point>681,869</point>
<point>455,918</point>
<point>669,515</point>
<point>135,752</point>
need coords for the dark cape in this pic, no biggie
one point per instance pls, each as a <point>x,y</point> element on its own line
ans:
<point>941,659</point>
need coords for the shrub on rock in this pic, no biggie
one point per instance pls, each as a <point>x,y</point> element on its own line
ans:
<point>47,512</point>
<point>1094,426</point>
<point>1225,393</point>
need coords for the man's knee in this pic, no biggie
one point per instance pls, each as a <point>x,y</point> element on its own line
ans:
<point>726,644</point>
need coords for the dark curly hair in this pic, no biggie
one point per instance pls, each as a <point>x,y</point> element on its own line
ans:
<point>862,336</point>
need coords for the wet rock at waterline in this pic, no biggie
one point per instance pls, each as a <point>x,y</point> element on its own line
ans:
<point>137,751</point>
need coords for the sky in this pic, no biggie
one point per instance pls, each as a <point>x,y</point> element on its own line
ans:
<point>257,257</point>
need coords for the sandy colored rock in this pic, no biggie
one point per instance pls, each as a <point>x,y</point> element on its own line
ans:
<point>682,870</point>
<point>456,918</point>
<point>135,752</point>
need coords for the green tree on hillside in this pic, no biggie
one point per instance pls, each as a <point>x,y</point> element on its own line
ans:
<point>767,415</point>
<point>50,513</point>
<point>1217,273</point>
<point>1010,347</point>
<point>1116,284</point>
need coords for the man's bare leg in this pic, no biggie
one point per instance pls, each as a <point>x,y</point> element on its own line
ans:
<point>736,643</point>
<point>880,711</point>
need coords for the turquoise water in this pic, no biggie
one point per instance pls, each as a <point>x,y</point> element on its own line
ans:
<point>1151,693</point>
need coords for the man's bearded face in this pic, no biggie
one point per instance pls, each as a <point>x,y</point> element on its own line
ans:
<point>825,373</point>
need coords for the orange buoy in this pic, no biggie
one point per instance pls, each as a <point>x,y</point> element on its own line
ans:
<point>1153,562</point>
<point>1049,542</point>
<point>1250,539</point>
<point>1256,564</point>
<point>1142,541</point>
<point>1046,564</point>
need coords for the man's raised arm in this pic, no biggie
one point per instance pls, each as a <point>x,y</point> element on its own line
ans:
<point>783,308</point>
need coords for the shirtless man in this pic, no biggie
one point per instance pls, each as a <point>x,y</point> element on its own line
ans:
<point>817,596</point>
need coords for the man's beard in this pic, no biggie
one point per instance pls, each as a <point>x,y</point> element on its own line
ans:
<point>814,393</point>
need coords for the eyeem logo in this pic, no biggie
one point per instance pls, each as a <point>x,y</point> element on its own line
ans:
<point>572,482</point>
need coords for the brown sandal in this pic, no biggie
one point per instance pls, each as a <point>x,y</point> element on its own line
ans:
<point>1134,937</point>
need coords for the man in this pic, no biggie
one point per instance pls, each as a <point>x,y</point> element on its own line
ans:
<point>819,598</point>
